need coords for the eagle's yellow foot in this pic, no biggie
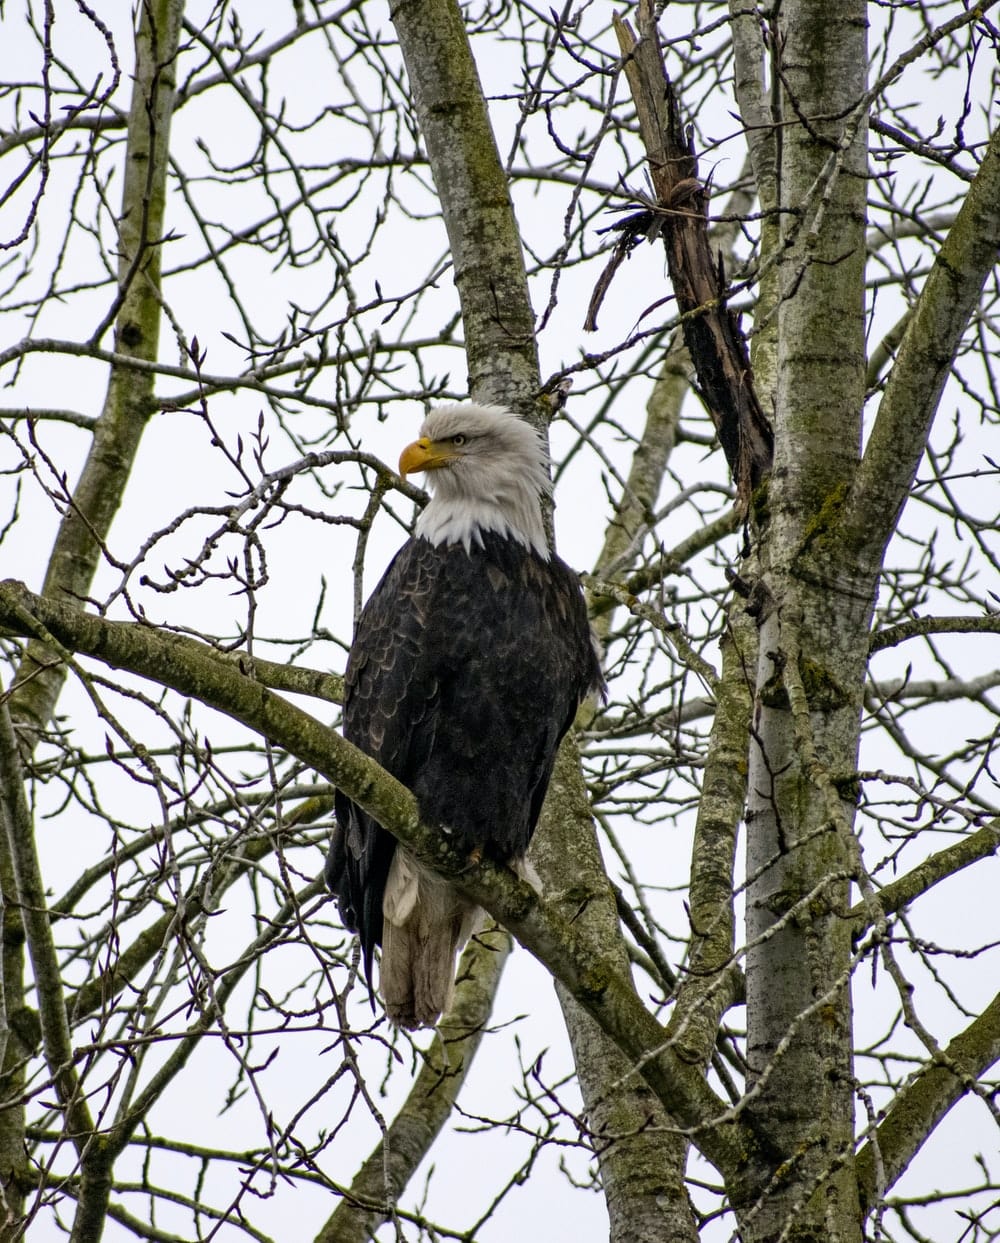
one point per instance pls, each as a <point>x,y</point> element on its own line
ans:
<point>473,858</point>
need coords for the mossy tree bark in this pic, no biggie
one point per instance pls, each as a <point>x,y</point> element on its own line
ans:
<point>812,656</point>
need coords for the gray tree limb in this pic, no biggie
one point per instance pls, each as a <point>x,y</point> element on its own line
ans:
<point>483,238</point>
<point>191,668</point>
<point>944,308</point>
<point>386,1171</point>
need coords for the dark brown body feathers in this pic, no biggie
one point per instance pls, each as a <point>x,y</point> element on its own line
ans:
<point>465,673</point>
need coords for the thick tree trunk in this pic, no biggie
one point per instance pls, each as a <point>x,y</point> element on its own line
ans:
<point>810,674</point>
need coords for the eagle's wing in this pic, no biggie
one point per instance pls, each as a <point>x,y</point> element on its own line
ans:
<point>389,713</point>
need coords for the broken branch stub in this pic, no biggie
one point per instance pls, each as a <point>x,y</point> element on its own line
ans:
<point>712,332</point>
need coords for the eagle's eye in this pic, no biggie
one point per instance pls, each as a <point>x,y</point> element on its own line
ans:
<point>458,440</point>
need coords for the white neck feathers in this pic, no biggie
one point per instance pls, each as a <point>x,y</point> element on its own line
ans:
<point>462,521</point>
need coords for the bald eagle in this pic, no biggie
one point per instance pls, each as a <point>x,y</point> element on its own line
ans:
<point>468,665</point>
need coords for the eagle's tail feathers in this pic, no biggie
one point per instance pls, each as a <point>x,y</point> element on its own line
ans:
<point>426,924</point>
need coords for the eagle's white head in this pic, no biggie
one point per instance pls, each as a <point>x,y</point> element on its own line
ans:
<point>488,473</point>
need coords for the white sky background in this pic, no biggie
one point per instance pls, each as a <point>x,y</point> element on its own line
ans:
<point>177,469</point>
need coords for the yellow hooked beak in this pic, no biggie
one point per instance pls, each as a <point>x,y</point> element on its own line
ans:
<point>425,454</point>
